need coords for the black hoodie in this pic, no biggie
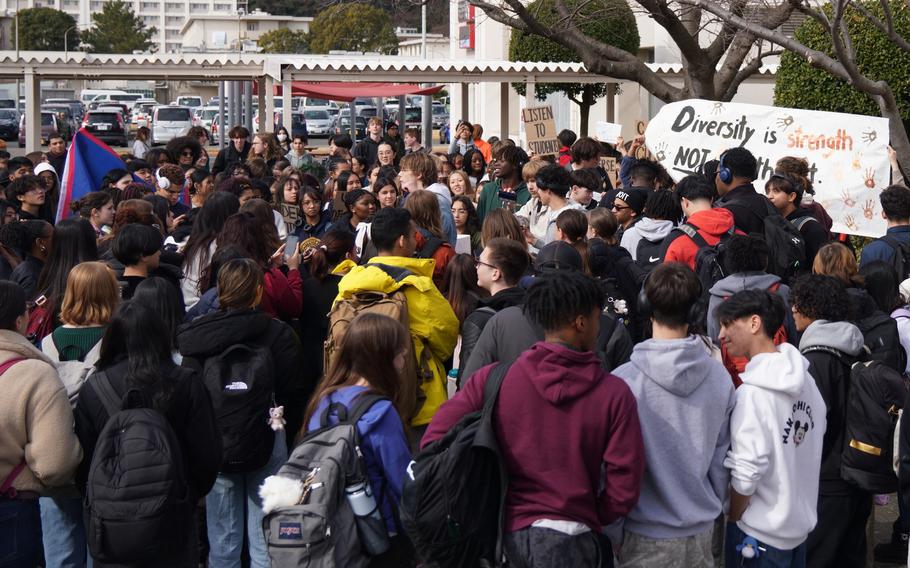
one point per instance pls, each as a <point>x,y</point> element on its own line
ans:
<point>473,324</point>
<point>212,333</point>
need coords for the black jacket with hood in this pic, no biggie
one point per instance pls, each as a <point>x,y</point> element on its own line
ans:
<point>211,334</point>
<point>475,322</point>
<point>228,157</point>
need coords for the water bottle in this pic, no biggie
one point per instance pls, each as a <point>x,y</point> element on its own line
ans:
<point>370,525</point>
<point>452,383</point>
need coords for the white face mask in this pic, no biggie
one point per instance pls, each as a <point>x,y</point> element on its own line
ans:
<point>282,137</point>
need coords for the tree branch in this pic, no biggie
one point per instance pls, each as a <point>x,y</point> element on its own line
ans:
<point>747,71</point>
<point>886,27</point>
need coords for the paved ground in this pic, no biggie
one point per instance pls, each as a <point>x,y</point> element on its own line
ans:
<point>884,516</point>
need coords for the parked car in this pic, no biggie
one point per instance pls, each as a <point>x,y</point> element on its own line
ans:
<point>75,105</point>
<point>142,113</point>
<point>440,115</point>
<point>9,123</point>
<point>190,101</point>
<point>169,122</point>
<point>65,119</point>
<point>108,126</point>
<point>48,127</point>
<point>123,108</point>
<point>8,103</point>
<point>114,97</point>
<point>343,126</point>
<point>207,115</point>
<point>318,122</point>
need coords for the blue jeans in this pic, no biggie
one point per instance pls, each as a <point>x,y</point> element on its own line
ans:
<point>20,533</point>
<point>63,530</point>
<point>234,500</point>
<point>769,557</point>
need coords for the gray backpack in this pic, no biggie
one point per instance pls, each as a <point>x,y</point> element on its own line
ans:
<point>73,374</point>
<point>321,529</point>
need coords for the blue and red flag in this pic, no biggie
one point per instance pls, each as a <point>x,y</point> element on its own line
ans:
<point>87,162</point>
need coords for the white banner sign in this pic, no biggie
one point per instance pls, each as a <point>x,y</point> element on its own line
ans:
<point>847,154</point>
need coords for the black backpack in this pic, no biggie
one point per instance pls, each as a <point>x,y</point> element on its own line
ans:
<point>786,247</point>
<point>452,498</point>
<point>882,339</point>
<point>137,501</point>
<point>875,395</point>
<point>709,265</point>
<point>649,254</point>
<point>901,257</point>
<point>241,383</point>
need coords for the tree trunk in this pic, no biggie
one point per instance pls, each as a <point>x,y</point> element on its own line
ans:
<point>896,130</point>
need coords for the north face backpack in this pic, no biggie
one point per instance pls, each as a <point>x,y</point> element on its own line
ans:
<point>901,257</point>
<point>786,247</point>
<point>875,396</point>
<point>882,338</point>
<point>241,383</point>
<point>137,500</point>
<point>321,530</point>
<point>454,491</point>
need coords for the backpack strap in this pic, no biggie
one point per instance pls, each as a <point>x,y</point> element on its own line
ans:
<point>840,355</point>
<point>800,221</point>
<point>6,488</point>
<point>395,272</point>
<point>363,403</point>
<point>691,231</point>
<point>491,388</point>
<point>113,403</point>
<point>430,247</point>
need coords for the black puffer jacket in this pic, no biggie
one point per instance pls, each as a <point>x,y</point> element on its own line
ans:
<point>473,324</point>
<point>189,413</point>
<point>212,333</point>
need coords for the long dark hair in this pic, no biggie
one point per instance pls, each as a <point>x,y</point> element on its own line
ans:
<point>333,247</point>
<point>245,230</point>
<point>472,225</point>
<point>208,278</point>
<point>160,208</point>
<point>164,299</point>
<point>137,333</point>
<point>882,284</point>
<point>463,291</point>
<point>74,242</point>
<point>468,158</point>
<point>207,224</point>
<point>368,351</point>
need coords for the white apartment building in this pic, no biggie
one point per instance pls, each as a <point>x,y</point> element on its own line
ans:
<point>228,32</point>
<point>167,16</point>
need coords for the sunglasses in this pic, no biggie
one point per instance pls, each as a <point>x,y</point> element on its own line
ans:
<point>621,207</point>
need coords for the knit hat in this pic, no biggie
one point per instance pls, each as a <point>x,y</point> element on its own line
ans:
<point>634,197</point>
<point>558,255</point>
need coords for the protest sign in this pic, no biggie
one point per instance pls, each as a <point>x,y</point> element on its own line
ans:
<point>847,154</point>
<point>540,128</point>
<point>612,168</point>
<point>291,215</point>
<point>608,131</point>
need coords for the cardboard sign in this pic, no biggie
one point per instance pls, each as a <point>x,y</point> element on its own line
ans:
<point>540,128</point>
<point>612,168</point>
<point>847,154</point>
<point>291,215</point>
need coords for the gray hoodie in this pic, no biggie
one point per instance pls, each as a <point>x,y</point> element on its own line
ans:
<point>740,281</point>
<point>685,399</point>
<point>649,229</point>
<point>840,335</point>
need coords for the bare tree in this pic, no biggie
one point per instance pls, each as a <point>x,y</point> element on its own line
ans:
<point>843,64</point>
<point>717,56</point>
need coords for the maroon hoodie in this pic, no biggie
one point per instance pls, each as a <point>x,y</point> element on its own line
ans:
<point>569,435</point>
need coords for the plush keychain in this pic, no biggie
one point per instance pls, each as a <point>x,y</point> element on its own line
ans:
<point>276,418</point>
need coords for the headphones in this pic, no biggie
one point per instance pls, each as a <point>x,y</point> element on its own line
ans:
<point>163,182</point>
<point>696,308</point>
<point>723,172</point>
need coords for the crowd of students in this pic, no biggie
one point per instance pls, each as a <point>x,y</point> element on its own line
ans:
<point>670,399</point>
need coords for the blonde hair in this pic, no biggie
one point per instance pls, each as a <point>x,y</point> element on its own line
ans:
<point>91,296</point>
<point>424,209</point>
<point>468,187</point>
<point>529,171</point>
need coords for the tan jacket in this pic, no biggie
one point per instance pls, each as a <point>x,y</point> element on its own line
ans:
<point>36,420</point>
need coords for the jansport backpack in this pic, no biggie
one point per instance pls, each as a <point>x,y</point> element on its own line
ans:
<point>901,257</point>
<point>321,530</point>
<point>875,396</point>
<point>137,501</point>
<point>786,247</point>
<point>241,382</point>
<point>454,491</point>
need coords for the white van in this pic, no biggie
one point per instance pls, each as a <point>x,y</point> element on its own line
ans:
<point>169,122</point>
<point>88,95</point>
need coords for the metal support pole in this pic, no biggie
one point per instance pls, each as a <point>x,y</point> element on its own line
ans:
<point>503,111</point>
<point>287,114</point>
<point>32,111</point>
<point>221,116</point>
<point>248,107</point>
<point>402,105</point>
<point>266,104</point>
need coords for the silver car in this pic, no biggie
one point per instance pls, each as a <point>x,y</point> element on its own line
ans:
<point>318,122</point>
<point>169,122</point>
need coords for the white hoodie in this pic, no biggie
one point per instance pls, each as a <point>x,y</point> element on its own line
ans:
<point>776,430</point>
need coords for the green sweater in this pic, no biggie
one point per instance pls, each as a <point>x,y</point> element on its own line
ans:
<point>489,198</point>
<point>74,343</point>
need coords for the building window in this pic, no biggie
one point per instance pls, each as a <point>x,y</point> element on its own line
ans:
<point>174,20</point>
<point>171,34</point>
<point>252,26</point>
<point>171,6</point>
<point>196,8</point>
<point>149,6</point>
<point>222,7</point>
<point>95,6</point>
<point>149,20</point>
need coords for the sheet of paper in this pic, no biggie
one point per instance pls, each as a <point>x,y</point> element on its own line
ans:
<point>608,132</point>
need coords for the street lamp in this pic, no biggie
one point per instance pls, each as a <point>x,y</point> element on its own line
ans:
<point>66,45</point>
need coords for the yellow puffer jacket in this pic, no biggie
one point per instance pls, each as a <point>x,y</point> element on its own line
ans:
<point>434,325</point>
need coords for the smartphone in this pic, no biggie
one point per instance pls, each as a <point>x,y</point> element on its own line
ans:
<point>290,246</point>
